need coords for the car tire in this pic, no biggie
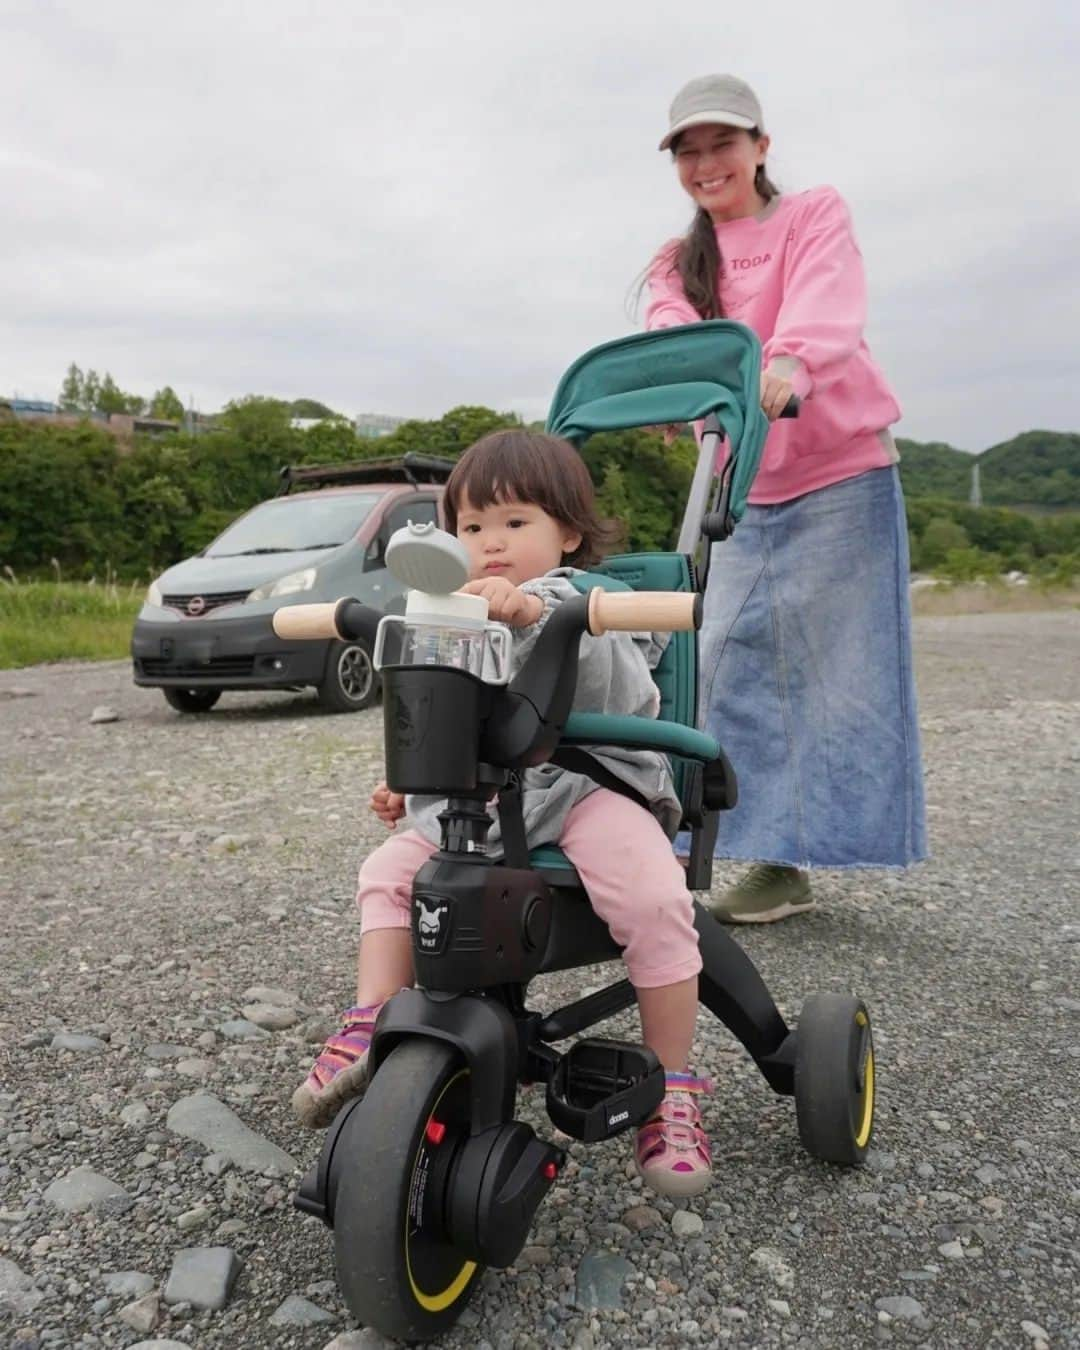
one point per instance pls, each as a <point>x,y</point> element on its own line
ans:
<point>351,681</point>
<point>191,700</point>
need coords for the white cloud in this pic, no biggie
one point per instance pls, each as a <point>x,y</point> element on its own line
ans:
<point>401,207</point>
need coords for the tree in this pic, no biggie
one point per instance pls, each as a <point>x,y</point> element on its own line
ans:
<point>310,407</point>
<point>166,405</point>
<point>72,394</point>
<point>941,537</point>
<point>112,399</point>
<point>91,389</point>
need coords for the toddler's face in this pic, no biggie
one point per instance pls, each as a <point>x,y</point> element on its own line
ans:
<point>512,539</point>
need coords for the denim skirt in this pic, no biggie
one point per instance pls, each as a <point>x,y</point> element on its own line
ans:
<point>806,680</point>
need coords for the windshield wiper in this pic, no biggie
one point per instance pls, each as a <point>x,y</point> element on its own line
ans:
<point>250,552</point>
<point>307,548</point>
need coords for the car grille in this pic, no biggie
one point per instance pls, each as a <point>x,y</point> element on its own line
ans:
<point>218,665</point>
<point>212,600</point>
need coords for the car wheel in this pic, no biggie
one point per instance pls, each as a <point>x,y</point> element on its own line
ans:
<point>191,700</point>
<point>351,681</point>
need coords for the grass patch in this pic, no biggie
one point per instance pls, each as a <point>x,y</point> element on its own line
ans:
<point>65,621</point>
<point>992,597</point>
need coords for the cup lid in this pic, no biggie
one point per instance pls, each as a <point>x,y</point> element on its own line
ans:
<point>425,558</point>
<point>469,611</point>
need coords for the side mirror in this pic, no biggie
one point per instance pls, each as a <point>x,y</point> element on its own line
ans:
<point>376,552</point>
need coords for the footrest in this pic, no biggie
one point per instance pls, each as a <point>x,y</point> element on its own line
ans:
<point>600,1088</point>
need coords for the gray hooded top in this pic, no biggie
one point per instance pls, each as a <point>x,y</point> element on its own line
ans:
<point>613,677</point>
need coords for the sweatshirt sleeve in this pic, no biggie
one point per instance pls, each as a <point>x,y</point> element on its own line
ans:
<point>822,315</point>
<point>668,306</point>
<point>613,669</point>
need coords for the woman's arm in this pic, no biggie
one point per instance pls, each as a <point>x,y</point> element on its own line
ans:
<point>668,306</point>
<point>822,315</point>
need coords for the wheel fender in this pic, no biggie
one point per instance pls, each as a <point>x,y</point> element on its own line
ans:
<point>481,1030</point>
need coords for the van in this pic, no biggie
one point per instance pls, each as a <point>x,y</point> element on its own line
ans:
<point>205,626</point>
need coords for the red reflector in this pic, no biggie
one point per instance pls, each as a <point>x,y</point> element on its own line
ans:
<point>550,1171</point>
<point>435,1131</point>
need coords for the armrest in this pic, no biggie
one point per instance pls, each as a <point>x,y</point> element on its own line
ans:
<point>671,738</point>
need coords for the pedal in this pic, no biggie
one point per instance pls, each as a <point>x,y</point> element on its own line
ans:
<point>600,1088</point>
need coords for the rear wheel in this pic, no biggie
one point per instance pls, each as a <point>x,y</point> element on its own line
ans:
<point>834,1078</point>
<point>351,681</point>
<point>397,1270</point>
<point>191,700</point>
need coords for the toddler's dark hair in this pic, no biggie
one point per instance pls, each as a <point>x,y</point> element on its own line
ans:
<point>530,466</point>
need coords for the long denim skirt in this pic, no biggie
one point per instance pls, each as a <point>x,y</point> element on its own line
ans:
<point>806,680</point>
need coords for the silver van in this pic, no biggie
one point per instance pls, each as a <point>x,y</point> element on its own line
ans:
<point>205,627</point>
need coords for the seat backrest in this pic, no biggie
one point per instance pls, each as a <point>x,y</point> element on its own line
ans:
<point>676,674</point>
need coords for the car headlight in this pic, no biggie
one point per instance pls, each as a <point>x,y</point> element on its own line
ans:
<point>287,585</point>
<point>153,594</point>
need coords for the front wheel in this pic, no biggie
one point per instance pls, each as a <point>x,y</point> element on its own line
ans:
<point>397,1270</point>
<point>191,700</point>
<point>351,681</point>
<point>834,1078</point>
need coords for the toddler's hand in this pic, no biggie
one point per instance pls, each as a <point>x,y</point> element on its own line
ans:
<point>388,806</point>
<point>507,603</point>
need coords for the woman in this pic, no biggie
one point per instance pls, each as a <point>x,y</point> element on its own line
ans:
<point>806,644</point>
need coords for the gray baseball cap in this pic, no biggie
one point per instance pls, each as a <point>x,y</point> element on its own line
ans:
<point>722,99</point>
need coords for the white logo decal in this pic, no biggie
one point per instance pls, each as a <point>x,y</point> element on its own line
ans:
<point>621,1115</point>
<point>431,919</point>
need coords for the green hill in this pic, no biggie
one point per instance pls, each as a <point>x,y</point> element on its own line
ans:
<point>1037,469</point>
<point>934,469</point>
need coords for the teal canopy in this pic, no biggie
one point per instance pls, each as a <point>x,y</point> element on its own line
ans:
<point>673,375</point>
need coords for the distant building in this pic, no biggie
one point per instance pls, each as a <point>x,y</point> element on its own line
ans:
<point>32,407</point>
<point>373,425</point>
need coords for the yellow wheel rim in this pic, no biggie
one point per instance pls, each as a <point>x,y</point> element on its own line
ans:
<point>439,1302</point>
<point>866,1122</point>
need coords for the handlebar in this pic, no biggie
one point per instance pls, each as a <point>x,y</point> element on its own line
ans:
<point>791,407</point>
<point>608,611</point>
<point>346,619</point>
<point>642,611</point>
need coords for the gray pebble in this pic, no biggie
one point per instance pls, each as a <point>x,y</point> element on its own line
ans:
<point>202,1276</point>
<point>210,1122</point>
<point>74,1041</point>
<point>901,1306</point>
<point>82,1189</point>
<point>297,1311</point>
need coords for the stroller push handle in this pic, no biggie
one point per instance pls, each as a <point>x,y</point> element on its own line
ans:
<point>642,611</point>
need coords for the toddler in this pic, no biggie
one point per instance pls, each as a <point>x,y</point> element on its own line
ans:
<point>522,504</point>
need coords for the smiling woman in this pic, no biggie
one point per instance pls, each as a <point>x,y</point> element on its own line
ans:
<point>806,664</point>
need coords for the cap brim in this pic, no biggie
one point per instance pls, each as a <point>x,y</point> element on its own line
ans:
<point>704,119</point>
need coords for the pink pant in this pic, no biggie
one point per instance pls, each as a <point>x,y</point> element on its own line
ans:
<point>624,859</point>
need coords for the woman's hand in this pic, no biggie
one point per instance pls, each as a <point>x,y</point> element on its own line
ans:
<point>669,432</point>
<point>388,806</point>
<point>507,603</point>
<point>776,392</point>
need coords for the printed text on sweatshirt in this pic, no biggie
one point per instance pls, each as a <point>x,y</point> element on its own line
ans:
<point>794,274</point>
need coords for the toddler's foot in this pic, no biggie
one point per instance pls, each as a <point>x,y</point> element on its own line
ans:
<point>671,1149</point>
<point>339,1073</point>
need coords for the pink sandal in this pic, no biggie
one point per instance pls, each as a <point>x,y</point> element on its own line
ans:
<point>340,1072</point>
<point>671,1149</point>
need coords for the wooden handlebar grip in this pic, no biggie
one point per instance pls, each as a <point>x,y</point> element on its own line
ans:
<point>307,621</point>
<point>642,611</point>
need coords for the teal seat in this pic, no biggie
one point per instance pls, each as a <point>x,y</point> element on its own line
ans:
<point>673,732</point>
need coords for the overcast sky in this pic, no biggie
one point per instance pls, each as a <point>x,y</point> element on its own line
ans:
<point>397,206</point>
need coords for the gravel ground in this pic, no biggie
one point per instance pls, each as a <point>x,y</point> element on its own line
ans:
<point>159,869</point>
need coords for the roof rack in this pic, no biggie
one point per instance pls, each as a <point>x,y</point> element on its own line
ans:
<point>412,468</point>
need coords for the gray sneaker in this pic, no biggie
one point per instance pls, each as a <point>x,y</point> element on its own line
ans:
<point>765,894</point>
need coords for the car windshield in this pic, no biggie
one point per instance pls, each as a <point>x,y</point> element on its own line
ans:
<point>291,524</point>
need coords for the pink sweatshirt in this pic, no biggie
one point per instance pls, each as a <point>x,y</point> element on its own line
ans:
<point>794,275</point>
